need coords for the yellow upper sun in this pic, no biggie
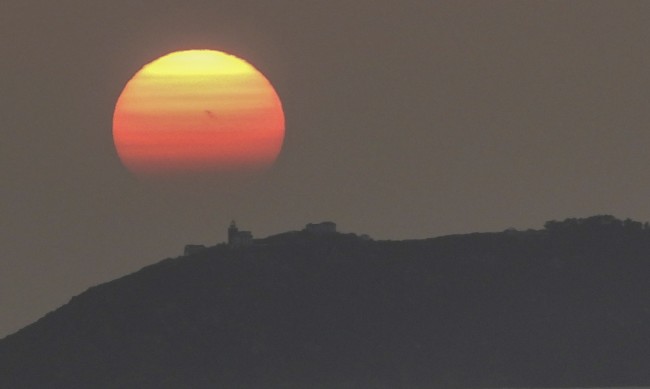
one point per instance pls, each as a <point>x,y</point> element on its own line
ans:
<point>197,62</point>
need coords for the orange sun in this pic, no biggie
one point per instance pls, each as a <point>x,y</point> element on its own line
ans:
<point>198,111</point>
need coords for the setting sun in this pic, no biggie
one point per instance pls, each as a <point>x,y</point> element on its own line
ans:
<point>198,111</point>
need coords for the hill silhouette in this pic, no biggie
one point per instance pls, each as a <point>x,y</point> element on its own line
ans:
<point>564,306</point>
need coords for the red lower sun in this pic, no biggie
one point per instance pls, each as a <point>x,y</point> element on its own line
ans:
<point>198,111</point>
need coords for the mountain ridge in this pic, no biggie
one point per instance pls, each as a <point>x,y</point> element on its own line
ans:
<point>562,306</point>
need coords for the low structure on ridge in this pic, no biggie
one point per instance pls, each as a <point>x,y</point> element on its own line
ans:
<point>193,248</point>
<point>321,228</point>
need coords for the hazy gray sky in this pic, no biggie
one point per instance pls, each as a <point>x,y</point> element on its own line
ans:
<point>405,119</point>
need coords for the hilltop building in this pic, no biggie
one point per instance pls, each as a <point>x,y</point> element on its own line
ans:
<point>193,248</point>
<point>321,228</point>
<point>237,238</point>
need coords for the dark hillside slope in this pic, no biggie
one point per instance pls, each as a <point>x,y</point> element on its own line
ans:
<point>566,306</point>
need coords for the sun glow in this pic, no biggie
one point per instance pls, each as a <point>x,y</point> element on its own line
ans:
<point>198,111</point>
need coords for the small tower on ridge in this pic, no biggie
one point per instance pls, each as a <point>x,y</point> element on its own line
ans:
<point>232,232</point>
<point>238,238</point>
